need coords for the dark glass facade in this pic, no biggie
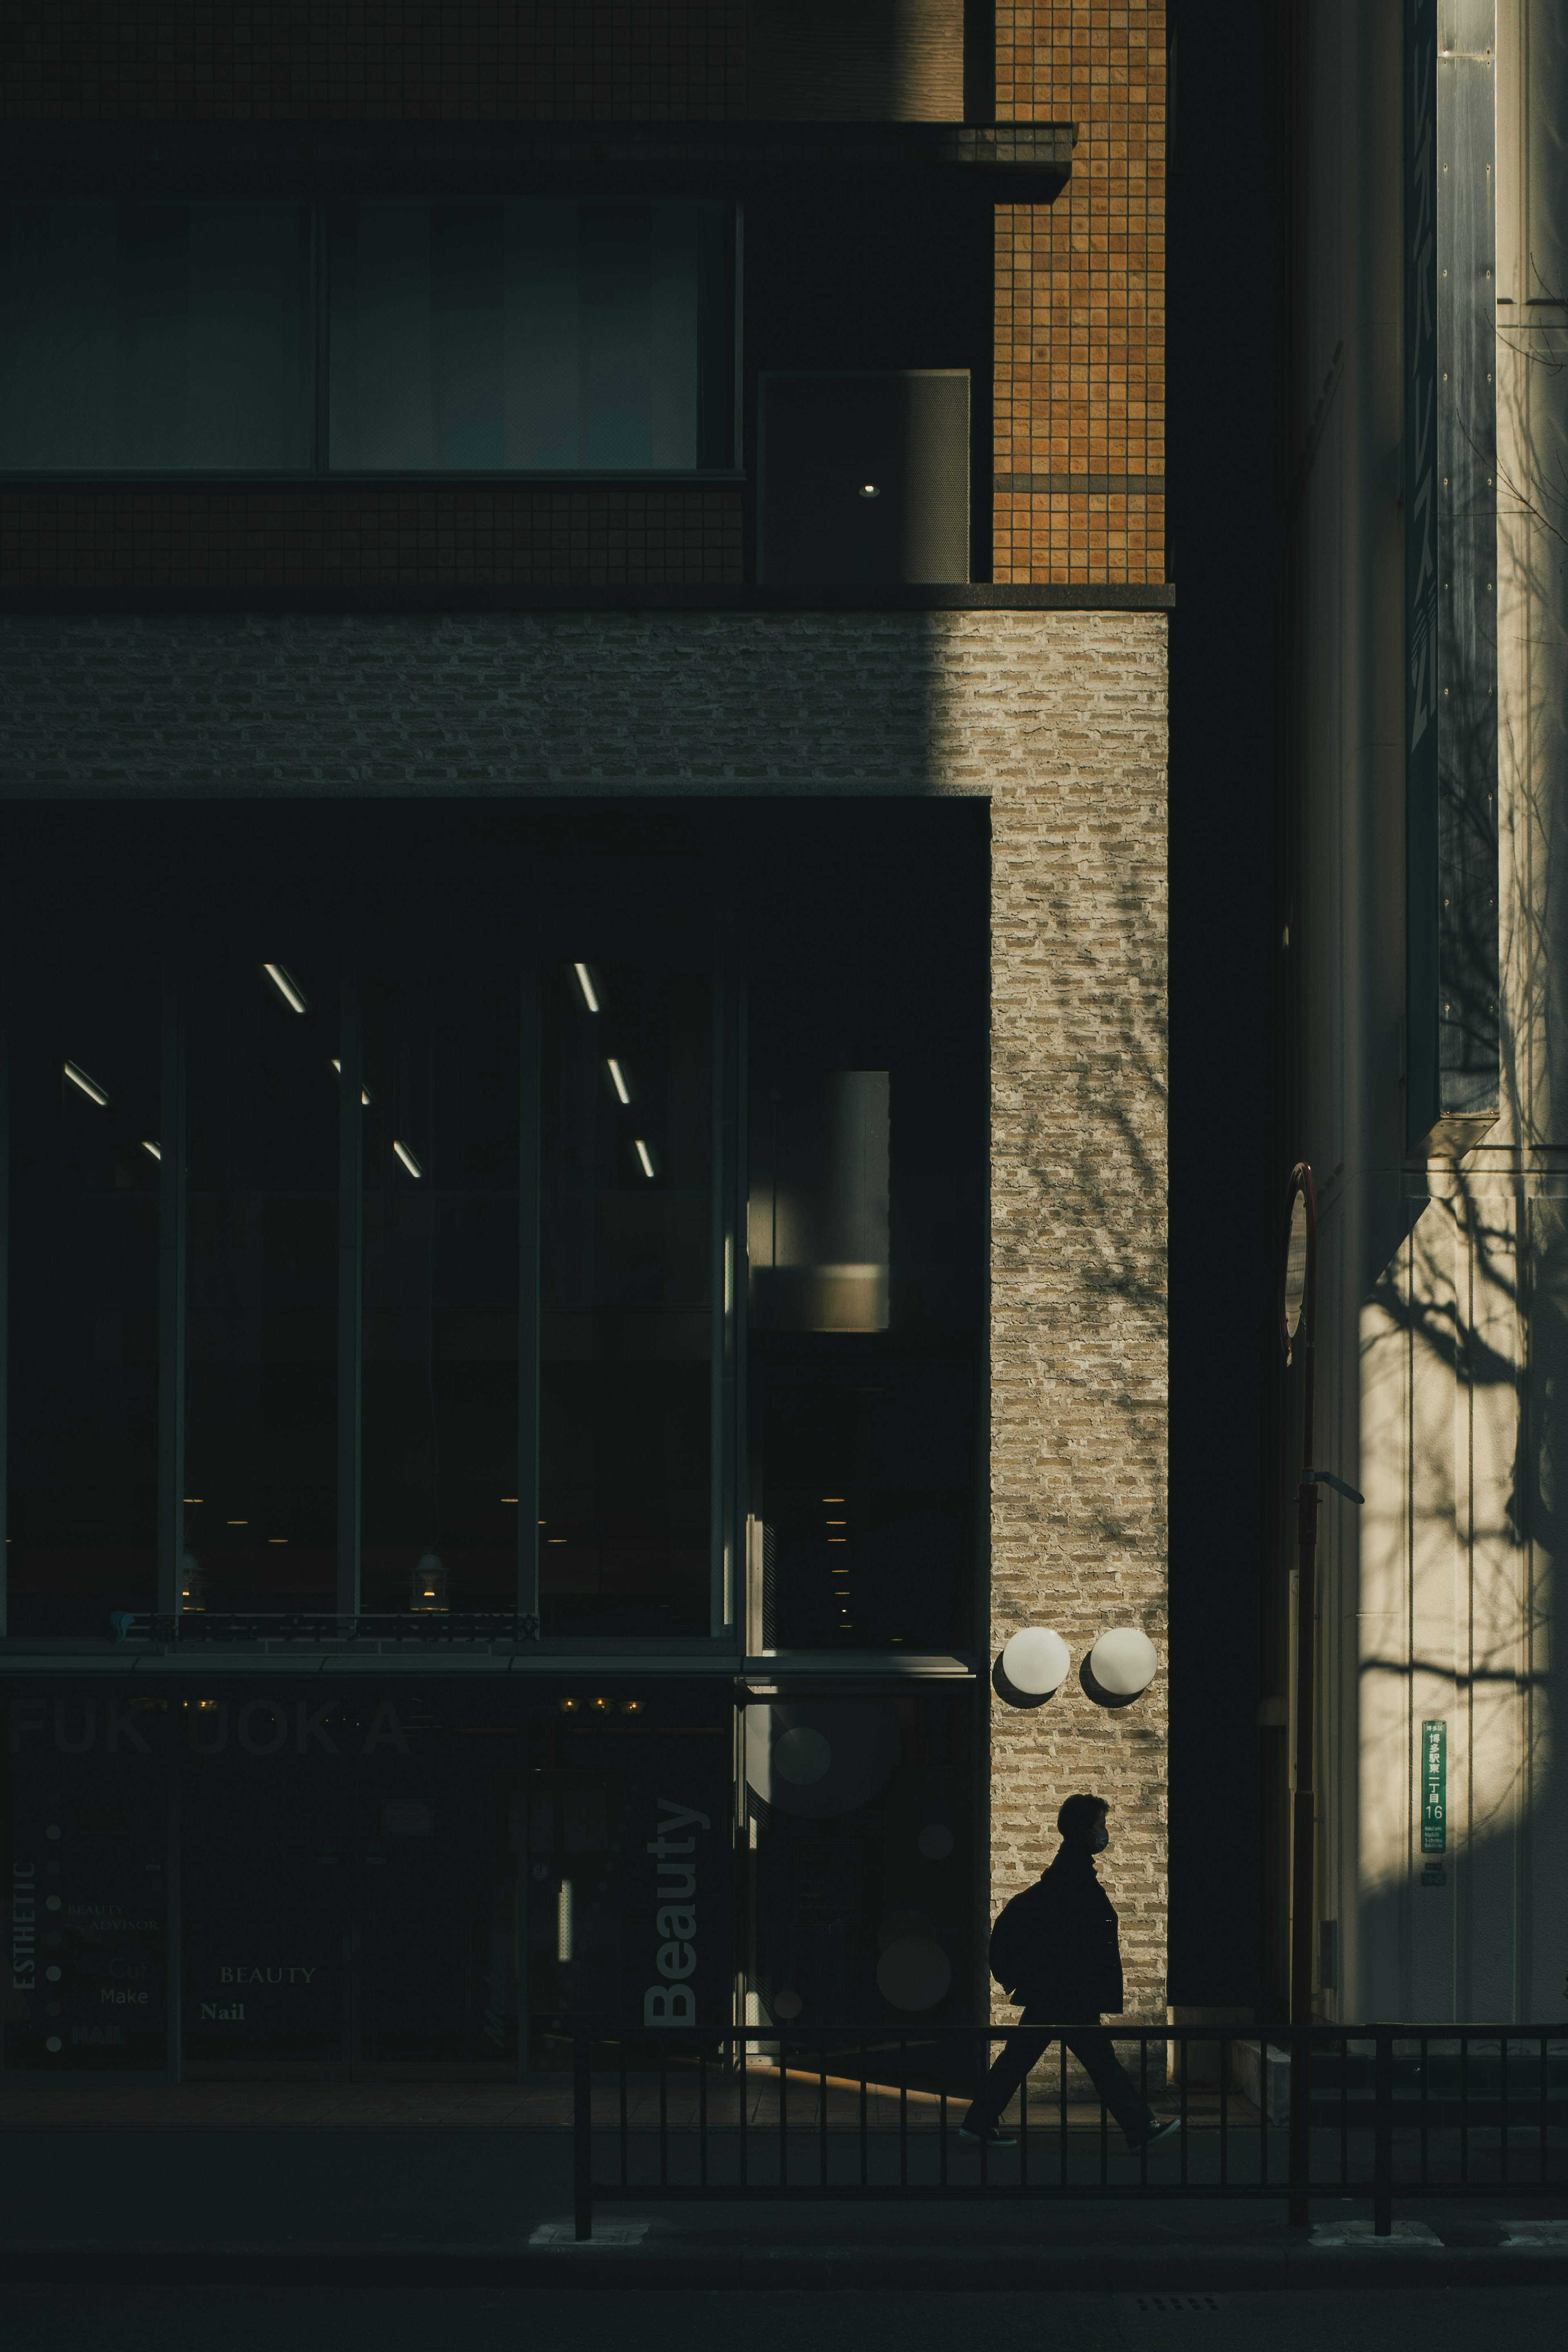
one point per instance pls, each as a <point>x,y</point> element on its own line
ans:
<point>540,335</point>
<point>561,1278</point>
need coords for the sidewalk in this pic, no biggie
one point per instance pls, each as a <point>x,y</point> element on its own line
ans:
<point>453,2203</point>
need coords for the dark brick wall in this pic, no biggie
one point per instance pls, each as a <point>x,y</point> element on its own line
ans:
<point>374,60</point>
<point>159,537</point>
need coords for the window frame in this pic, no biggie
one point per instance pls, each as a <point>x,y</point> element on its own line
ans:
<point>320,471</point>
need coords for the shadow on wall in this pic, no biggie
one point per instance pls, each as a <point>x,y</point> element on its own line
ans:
<point>1475,1290</point>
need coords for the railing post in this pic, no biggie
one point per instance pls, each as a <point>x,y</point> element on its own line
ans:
<point>1383,2136</point>
<point>1298,2144</point>
<point>581,2136</point>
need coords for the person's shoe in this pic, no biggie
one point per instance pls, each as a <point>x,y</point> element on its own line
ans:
<point>994,2138</point>
<point>1155,2134</point>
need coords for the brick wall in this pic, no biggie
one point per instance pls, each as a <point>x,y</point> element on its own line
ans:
<point>1081,390</point>
<point>375,60</point>
<point>424,535</point>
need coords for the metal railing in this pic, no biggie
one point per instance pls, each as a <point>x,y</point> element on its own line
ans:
<point>1388,2110</point>
<point>316,1628</point>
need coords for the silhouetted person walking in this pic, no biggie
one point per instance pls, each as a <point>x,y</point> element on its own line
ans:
<point>1055,1948</point>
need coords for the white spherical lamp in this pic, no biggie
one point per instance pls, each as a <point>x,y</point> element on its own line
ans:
<point>1123,1661</point>
<point>1034,1664</point>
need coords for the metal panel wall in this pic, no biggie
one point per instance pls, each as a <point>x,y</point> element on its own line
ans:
<point>1450,583</point>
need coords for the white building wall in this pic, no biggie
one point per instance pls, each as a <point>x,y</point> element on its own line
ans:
<point>1443,1367</point>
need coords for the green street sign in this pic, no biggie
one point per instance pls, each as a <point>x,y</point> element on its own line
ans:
<point>1434,1787</point>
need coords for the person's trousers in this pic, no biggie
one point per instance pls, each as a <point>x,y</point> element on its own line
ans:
<point>1091,2045</point>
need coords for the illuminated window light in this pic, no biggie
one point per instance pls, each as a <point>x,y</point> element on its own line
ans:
<point>288,988</point>
<point>644,1156</point>
<point>90,1086</point>
<point>363,1092</point>
<point>509,1498</point>
<point>618,1080</point>
<point>236,1523</point>
<point>586,982</point>
<point>276,1539</point>
<point>835,1498</point>
<point>407,1158</point>
<point>155,1148</point>
<point>836,1523</point>
<point>838,1539</point>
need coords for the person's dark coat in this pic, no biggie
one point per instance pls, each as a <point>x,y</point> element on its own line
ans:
<point>1055,1947</point>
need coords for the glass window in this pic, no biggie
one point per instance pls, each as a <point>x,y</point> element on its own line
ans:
<point>532,334</point>
<point>155,335</point>
<point>83,1383</point>
<point>625,1345</point>
<point>261,1368</point>
<point>866,1219</point>
<point>862,1859</point>
<point>440,1297</point>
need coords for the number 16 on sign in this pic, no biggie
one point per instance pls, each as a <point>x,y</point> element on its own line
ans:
<point>1434,1787</point>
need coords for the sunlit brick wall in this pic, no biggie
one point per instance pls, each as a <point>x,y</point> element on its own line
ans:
<point>1080,387</point>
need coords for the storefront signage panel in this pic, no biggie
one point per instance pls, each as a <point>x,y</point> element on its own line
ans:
<point>631,1861</point>
<point>348,1880</point>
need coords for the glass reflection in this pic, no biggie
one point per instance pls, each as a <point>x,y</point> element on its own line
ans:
<point>866,1225</point>
<point>83,1515</point>
<point>440,1300</point>
<point>862,1863</point>
<point>155,334</point>
<point>261,1490</point>
<point>627,1301</point>
<point>534,333</point>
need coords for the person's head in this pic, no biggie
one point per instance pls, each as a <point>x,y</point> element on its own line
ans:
<point>1081,1821</point>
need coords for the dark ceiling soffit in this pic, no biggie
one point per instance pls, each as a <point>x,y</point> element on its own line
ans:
<point>1046,596</point>
<point>1032,159</point>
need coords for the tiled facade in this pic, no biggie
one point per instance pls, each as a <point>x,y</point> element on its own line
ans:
<point>246,536</point>
<point>1080,299</point>
<point>353,61</point>
<point>1079,387</point>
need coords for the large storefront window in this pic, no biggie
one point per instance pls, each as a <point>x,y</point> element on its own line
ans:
<point>439,1396</point>
<point>501,1242</point>
<point>259,1499</point>
<point>83,1330</point>
<point>625,1395</point>
<point>866,1117</point>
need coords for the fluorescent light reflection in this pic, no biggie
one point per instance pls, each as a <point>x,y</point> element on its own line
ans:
<point>90,1086</point>
<point>288,989</point>
<point>645,1155</point>
<point>155,1148</point>
<point>618,1080</point>
<point>407,1158</point>
<point>363,1092</point>
<point>586,982</point>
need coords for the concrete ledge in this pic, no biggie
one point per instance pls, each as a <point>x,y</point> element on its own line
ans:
<point>654,2265</point>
